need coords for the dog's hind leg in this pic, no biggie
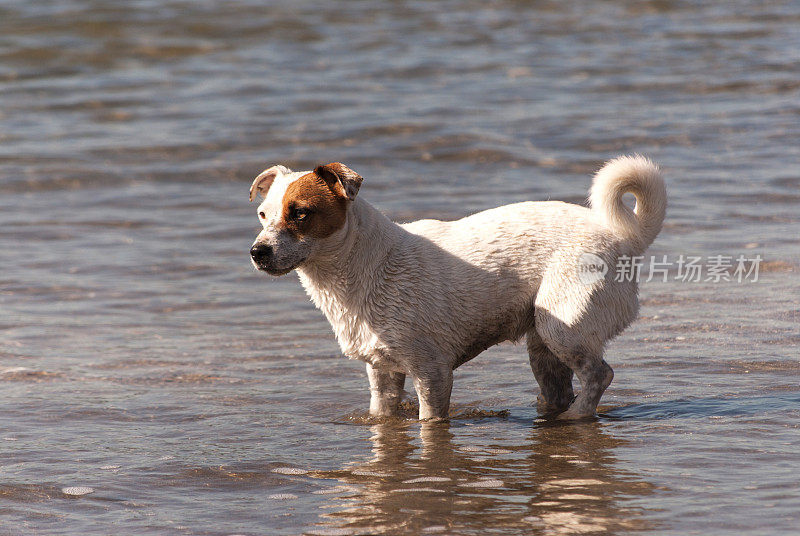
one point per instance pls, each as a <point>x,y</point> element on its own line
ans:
<point>553,376</point>
<point>594,374</point>
<point>386,391</point>
<point>575,321</point>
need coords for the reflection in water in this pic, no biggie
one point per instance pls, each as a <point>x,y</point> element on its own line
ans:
<point>462,478</point>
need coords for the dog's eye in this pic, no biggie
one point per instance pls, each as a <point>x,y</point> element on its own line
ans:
<point>262,215</point>
<point>300,214</point>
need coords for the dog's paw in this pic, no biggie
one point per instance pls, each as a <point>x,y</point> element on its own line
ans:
<point>573,414</point>
<point>547,409</point>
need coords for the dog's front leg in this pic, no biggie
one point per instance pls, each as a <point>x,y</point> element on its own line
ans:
<point>386,391</point>
<point>433,390</point>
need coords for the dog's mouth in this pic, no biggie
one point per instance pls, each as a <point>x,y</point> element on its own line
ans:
<point>274,271</point>
<point>271,269</point>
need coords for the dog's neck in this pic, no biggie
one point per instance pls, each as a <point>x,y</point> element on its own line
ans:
<point>344,268</point>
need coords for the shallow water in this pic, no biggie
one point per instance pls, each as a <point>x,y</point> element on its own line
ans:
<point>142,357</point>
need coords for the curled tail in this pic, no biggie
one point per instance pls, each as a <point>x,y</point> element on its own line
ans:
<point>641,177</point>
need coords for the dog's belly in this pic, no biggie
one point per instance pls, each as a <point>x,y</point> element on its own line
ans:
<point>481,343</point>
<point>509,327</point>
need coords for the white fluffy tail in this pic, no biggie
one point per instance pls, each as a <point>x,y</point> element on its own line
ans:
<point>641,177</point>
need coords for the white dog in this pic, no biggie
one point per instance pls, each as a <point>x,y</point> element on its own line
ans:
<point>423,298</point>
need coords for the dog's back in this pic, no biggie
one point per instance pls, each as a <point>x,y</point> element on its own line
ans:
<point>489,268</point>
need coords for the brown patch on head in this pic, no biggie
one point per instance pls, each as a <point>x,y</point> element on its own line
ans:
<point>314,206</point>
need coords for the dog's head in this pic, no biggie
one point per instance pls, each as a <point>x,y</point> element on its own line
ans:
<point>299,213</point>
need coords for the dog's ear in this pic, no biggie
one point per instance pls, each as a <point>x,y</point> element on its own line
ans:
<point>337,173</point>
<point>264,180</point>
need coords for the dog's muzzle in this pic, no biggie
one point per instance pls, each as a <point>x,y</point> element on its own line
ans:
<point>264,258</point>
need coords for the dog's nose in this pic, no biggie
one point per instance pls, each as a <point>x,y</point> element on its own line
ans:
<point>261,252</point>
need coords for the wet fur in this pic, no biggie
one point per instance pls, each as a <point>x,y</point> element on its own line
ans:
<point>422,298</point>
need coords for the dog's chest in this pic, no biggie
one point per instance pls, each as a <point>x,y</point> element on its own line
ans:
<point>348,316</point>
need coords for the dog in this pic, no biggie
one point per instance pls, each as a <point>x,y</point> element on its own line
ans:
<point>422,298</point>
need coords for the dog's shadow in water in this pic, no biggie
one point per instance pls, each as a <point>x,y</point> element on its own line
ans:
<point>440,476</point>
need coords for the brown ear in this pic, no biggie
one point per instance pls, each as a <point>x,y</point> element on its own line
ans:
<point>336,172</point>
<point>264,180</point>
